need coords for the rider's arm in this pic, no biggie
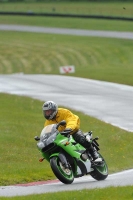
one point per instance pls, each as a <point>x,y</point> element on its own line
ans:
<point>72,121</point>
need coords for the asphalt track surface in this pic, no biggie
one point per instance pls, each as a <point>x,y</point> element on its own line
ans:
<point>86,182</point>
<point>109,102</point>
<point>65,31</point>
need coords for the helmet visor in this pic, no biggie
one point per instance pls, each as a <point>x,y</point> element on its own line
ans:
<point>48,113</point>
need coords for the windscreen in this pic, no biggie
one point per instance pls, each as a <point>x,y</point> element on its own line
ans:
<point>48,130</point>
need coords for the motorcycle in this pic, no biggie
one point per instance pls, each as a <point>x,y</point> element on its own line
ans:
<point>68,159</point>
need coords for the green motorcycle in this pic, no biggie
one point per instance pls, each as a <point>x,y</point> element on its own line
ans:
<point>68,159</point>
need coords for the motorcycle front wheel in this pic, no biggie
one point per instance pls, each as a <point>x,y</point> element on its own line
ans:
<point>64,175</point>
<point>100,170</point>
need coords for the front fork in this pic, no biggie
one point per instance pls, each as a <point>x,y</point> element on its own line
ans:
<point>95,144</point>
<point>62,158</point>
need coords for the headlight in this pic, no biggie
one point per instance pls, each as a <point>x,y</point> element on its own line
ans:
<point>40,145</point>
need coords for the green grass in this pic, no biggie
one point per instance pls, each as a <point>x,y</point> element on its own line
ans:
<point>21,119</point>
<point>112,9</point>
<point>95,58</point>
<point>89,8</point>
<point>76,23</point>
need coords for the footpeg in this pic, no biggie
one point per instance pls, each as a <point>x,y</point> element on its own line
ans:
<point>98,160</point>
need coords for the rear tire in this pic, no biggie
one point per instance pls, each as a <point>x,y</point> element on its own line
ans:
<point>60,172</point>
<point>100,172</point>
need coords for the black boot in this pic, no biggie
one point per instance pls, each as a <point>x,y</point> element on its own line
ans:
<point>93,152</point>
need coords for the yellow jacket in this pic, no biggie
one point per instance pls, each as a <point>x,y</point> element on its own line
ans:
<point>72,121</point>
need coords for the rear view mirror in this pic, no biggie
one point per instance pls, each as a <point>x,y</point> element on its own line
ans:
<point>36,138</point>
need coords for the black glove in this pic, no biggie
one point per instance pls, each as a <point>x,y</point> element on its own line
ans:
<point>66,131</point>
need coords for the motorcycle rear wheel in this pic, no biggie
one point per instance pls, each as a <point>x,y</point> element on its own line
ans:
<point>65,176</point>
<point>100,172</point>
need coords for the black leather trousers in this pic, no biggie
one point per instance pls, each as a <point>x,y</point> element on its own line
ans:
<point>79,137</point>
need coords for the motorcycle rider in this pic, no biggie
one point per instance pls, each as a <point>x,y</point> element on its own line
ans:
<point>54,115</point>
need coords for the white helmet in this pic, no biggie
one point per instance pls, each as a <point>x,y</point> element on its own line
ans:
<point>51,107</point>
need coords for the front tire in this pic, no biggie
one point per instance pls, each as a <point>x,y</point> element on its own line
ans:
<point>64,176</point>
<point>100,171</point>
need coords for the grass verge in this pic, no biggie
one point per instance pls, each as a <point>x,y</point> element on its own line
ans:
<point>95,58</point>
<point>87,8</point>
<point>75,23</point>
